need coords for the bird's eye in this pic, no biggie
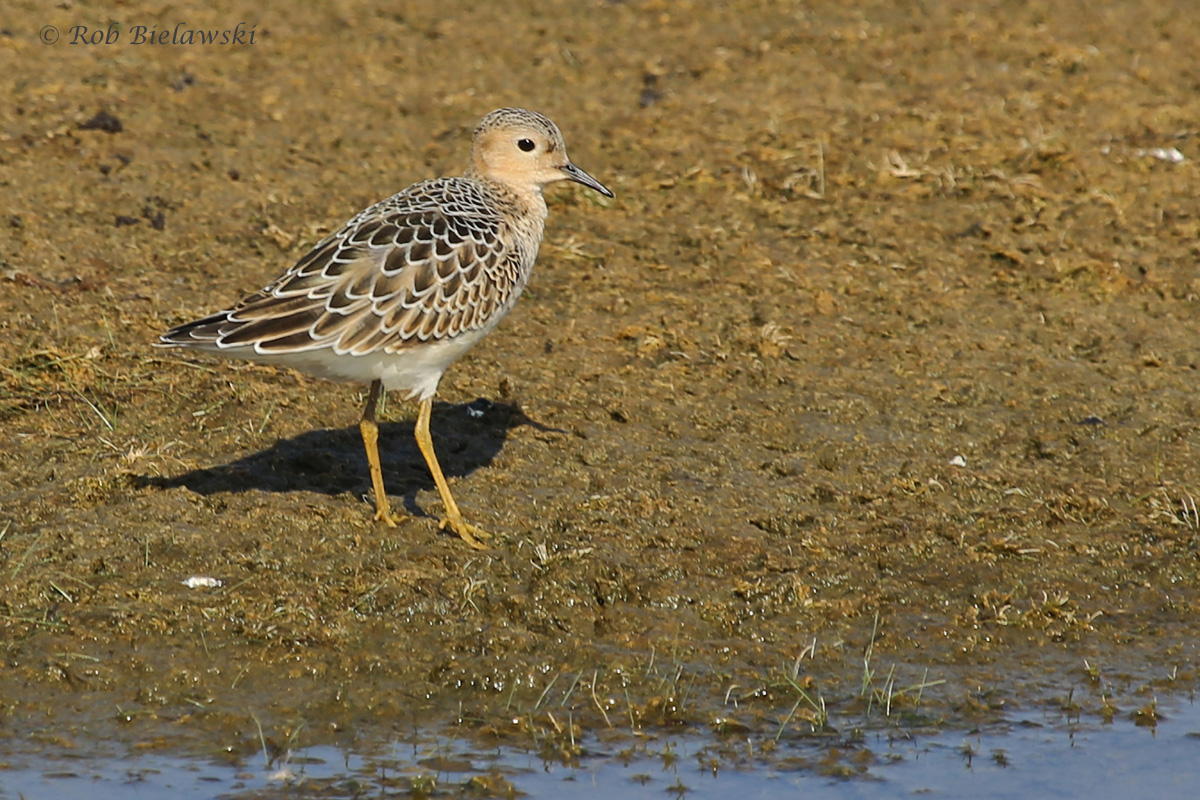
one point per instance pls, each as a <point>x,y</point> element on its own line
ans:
<point>526,144</point>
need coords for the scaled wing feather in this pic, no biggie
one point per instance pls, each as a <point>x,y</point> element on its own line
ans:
<point>420,266</point>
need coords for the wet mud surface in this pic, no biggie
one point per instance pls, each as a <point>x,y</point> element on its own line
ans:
<point>885,353</point>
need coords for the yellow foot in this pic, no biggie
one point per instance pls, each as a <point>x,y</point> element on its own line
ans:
<point>386,516</point>
<point>471,534</point>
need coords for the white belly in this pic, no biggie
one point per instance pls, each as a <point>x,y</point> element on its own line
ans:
<point>416,369</point>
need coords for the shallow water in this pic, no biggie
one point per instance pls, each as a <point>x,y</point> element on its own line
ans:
<point>1030,755</point>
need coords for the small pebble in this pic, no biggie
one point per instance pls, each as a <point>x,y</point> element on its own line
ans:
<point>203,582</point>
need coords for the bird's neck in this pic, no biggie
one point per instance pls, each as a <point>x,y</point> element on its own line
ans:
<point>526,201</point>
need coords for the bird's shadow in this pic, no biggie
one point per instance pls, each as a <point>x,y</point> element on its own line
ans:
<point>466,436</point>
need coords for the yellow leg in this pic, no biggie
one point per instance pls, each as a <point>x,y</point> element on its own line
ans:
<point>453,519</point>
<point>370,434</point>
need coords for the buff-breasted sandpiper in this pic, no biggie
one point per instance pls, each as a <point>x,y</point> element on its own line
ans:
<point>408,285</point>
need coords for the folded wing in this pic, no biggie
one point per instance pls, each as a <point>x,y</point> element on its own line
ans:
<point>405,271</point>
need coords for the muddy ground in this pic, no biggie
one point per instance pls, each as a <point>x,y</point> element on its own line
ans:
<point>885,351</point>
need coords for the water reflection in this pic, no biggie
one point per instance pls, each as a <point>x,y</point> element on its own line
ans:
<point>1026,756</point>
